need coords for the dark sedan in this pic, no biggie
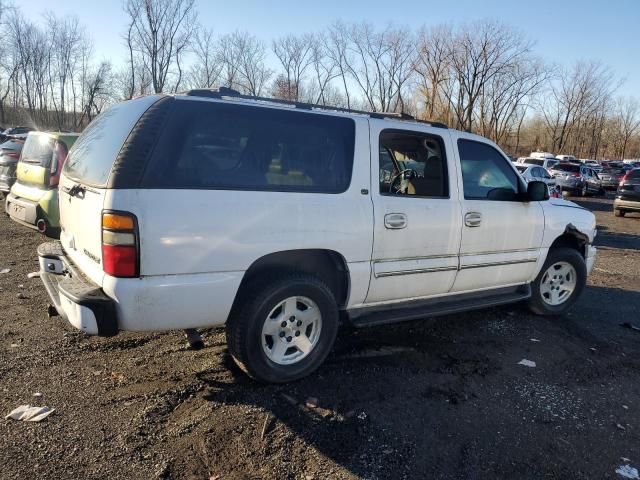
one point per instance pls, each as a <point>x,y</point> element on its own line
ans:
<point>611,178</point>
<point>9,155</point>
<point>628,194</point>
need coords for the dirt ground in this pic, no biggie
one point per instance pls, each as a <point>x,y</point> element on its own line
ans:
<point>440,398</point>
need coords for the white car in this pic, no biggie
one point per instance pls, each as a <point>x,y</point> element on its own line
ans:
<point>279,220</point>
<point>546,163</point>
<point>535,173</point>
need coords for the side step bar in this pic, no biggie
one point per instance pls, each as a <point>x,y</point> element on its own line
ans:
<point>401,312</point>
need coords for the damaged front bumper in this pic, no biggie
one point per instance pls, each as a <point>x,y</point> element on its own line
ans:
<point>79,301</point>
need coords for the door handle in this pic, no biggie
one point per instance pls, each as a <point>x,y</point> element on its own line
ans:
<point>395,221</point>
<point>473,219</point>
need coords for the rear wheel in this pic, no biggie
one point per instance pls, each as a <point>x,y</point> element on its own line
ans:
<point>619,213</point>
<point>283,327</point>
<point>559,283</point>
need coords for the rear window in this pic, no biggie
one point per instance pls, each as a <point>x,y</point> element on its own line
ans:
<point>92,156</point>
<point>534,161</point>
<point>567,167</point>
<point>210,145</point>
<point>38,149</point>
<point>12,145</point>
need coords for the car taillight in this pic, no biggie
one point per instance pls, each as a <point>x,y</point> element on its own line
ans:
<point>12,154</point>
<point>624,178</point>
<point>120,246</point>
<point>575,174</point>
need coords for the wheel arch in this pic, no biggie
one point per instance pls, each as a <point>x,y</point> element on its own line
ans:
<point>572,238</point>
<point>328,265</point>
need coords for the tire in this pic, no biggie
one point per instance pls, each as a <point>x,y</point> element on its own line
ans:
<point>261,302</point>
<point>537,302</point>
<point>619,213</point>
<point>584,191</point>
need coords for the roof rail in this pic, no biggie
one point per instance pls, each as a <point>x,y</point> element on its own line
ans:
<point>225,92</point>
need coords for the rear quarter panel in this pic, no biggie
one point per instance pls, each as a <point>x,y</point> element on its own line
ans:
<point>191,232</point>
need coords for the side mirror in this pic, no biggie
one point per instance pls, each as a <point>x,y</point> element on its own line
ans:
<point>537,191</point>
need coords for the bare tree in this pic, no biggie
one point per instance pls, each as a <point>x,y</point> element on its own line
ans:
<point>243,57</point>
<point>206,71</point>
<point>628,121</point>
<point>295,54</point>
<point>160,32</point>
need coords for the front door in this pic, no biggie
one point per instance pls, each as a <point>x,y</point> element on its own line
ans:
<point>417,214</point>
<point>501,235</point>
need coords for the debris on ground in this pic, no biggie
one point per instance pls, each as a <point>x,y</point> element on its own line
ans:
<point>265,426</point>
<point>527,363</point>
<point>33,275</point>
<point>21,296</point>
<point>620,426</point>
<point>5,270</point>
<point>535,340</point>
<point>27,413</point>
<point>627,471</point>
<point>289,399</point>
<point>378,352</point>
<point>312,402</point>
<point>630,326</point>
<point>196,342</point>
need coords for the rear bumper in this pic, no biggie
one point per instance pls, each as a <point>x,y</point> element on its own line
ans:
<point>79,301</point>
<point>630,205</point>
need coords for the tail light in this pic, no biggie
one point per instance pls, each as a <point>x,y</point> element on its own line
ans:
<point>12,154</point>
<point>120,245</point>
<point>575,174</point>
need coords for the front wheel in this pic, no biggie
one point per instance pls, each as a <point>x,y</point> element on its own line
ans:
<point>283,328</point>
<point>559,283</point>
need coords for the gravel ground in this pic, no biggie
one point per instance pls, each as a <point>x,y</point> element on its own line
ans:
<point>441,398</point>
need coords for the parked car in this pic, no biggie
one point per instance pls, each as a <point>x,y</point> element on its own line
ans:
<point>610,178</point>
<point>13,132</point>
<point>9,155</point>
<point>546,163</point>
<point>270,219</point>
<point>534,172</point>
<point>593,164</point>
<point>628,194</point>
<point>33,200</point>
<point>577,179</point>
<point>566,158</point>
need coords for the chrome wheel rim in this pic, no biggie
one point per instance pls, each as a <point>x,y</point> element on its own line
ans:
<point>558,283</point>
<point>291,330</point>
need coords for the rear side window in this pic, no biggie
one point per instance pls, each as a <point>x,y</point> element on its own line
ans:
<point>486,174</point>
<point>92,155</point>
<point>38,150</point>
<point>208,145</point>
<point>633,174</point>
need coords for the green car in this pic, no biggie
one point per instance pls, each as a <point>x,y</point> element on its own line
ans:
<point>33,200</point>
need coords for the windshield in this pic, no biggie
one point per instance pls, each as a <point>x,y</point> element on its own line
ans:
<point>38,149</point>
<point>567,167</point>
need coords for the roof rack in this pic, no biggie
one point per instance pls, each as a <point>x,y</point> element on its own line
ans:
<point>225,92</point>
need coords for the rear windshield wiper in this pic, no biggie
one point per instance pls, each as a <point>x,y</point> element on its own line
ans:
<point>76,190</point>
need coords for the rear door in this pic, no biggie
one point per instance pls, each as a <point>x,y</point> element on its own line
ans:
<point>84,180</point>
<point>501,235</point>
<point>417,217</point>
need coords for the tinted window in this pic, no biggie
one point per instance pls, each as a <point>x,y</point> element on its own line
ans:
<point>521,168</point>
<point>412,164</point>
<point>486,174</point>
<point>223,146</point>
<point>633,174</point>
<point>567,167</point>
<point>534,161</point>
<point>94,152</point>
<point>38,149</point>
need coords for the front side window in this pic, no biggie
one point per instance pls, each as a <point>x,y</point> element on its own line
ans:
<point>412,164</point>
<point>210,145</point>
<point>486,174</point>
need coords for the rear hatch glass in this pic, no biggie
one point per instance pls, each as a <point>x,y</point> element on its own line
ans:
<point>567,167</point>
<point>92,156</point>
<point>38,150</point>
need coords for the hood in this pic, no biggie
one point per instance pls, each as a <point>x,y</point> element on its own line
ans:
<point>559,202</point>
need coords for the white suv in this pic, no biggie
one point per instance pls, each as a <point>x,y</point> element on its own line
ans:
<point>280,220</point>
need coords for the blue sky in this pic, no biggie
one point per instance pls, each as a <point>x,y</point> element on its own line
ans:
<point>564,31</point>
